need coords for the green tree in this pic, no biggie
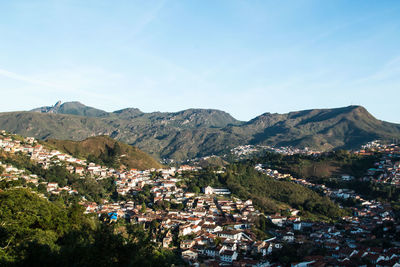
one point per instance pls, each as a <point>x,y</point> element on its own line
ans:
<point>143,209</point>
<point>196,189</point>
<point>42,188</point>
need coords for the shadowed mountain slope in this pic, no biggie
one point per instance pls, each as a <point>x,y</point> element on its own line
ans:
<point>198,132</point>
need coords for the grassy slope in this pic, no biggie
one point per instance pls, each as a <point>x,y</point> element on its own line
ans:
<point>333,164</point>
<point>102,146</point>
<point>245,182</point>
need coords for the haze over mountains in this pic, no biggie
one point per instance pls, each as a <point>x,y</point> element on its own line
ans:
<point>198,132</point>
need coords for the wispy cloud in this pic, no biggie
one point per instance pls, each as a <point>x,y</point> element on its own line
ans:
<point>25,78</point>
<point>76,83</point>
<point>388,71</point>
<point>148,18</point>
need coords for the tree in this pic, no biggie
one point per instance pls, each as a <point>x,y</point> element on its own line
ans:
<point>144,208</point>
<point>196,189</point>
<point>31,185</point>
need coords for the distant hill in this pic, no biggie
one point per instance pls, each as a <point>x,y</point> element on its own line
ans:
<point>72,108</point>
<point>324,129</point>
<point>104,150</point>
<point>128,113</point>
<point>212,162</point>
<point>201,132</point>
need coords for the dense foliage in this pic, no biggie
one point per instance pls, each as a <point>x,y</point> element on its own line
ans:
<point>326,165</point>
<point>368,189</point>
<point>327,168</point>
<point>268,194</point>
<point>36,232</point>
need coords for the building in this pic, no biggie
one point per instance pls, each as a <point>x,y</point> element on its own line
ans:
<point>217,191</point>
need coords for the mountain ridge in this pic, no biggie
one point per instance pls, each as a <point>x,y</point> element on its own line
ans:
<point>72,108</point>
<point>200,132</point>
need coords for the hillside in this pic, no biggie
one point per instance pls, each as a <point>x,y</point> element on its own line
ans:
<point>323,129</point>
<point>105,150</point>
<point>72,108</point>
<point>190,118</point>
<point>327,165</point>
<point>201,132</point>
<point>268,195</point>
<point>38,232</point>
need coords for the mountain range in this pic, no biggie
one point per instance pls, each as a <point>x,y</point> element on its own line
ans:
<point>199,132</point>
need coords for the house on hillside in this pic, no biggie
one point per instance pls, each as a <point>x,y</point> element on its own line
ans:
<point>217,191</point>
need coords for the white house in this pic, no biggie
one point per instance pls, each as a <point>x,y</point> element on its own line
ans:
<point>218,191</point>
<point>189,254</point>
<point>228,256</point>
<point>230,234</point>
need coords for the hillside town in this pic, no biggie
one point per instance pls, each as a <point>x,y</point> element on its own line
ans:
<point>214,227</point>
<point>344,241</point>
<point>246,150</point>
<point>173,133</point>
<point>386,169</point>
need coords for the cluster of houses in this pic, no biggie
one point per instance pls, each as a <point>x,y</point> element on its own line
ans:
<point>349,242</point>
<point>217,229</point>
<point>212,228</point>
<point>12,173</point>
<point>41,155</point>
<point>46,157</point>
<point>387,169</point>
<point>272,173</point>
<point>245,150</point>
<point>8,143</point>
<point>38,153</point>
<point>162,183</point>
<point>346,243</point>
<point>377,146</point>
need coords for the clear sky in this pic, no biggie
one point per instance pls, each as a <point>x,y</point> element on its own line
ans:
<point>243,57</point>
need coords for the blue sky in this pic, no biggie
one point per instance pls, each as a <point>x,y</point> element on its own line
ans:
<point>243,57</point>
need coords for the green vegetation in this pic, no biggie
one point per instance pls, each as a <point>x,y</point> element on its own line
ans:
<point>212,162</point>
<point>90,188</point>
<point>332,164</point>
<point>36,232</point>
<point>296,253</point>
<point>272,195</point>
<point>327,168</point>
<point>106,151</point>
<point>369,190</point>
<point>20,161</point>
<point>268,194</point>
<point>196,132</point>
